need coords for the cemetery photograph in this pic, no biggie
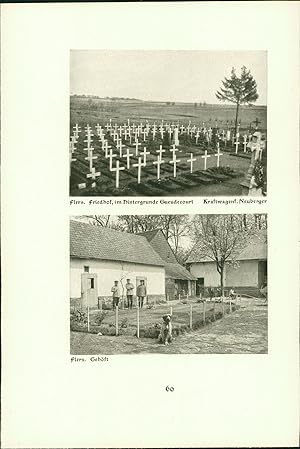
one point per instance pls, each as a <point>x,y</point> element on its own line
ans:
<point>184,284</point>
<point>168,123</point>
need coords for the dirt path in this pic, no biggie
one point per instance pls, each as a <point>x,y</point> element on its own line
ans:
<point>243,332</point>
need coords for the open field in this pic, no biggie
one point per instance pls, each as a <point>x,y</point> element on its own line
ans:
<point>92,111</point>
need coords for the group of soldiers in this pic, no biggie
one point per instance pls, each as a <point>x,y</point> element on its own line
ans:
<point>141,293</point>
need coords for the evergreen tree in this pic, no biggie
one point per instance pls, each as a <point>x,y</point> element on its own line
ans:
<point>238,90</point>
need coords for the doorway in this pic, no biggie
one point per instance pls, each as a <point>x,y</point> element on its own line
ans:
<point>89,290</point>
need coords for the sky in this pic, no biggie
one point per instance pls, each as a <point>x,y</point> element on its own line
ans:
<point>180,76</point>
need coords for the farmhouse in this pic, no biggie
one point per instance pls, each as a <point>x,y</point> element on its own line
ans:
<point>247,274</point>
<point>178,279</point>
<point>100,256</point>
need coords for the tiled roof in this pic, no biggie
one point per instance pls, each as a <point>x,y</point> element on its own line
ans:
<point>96,242</point>
<point>177,271</point>
<point>160,245</point>
<point>256,249</point>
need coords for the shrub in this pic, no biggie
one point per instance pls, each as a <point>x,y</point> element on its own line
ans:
<point>99,317</point>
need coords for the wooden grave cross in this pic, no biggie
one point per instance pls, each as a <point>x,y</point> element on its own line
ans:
<point>245,142</point>
<point>77,130</point>
<point>117,169</point>
<point>237,143</point>
<point>119,147</point>
<point>139,166</point>
<point>128,156</point>
<point>93,174</point>
<point>158,162</point>
<point>174,161</point>
<point>191,160</point>
<point>205,157</point>
<point>144,154</point>
<point>137,144</point>
<point>111,156</point>
<point>160,151</point>
<point>218,154</point>
<point>90,158</point>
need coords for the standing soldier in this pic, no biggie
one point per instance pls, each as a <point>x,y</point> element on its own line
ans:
<point>129,293</point>
<point>141,292</point>
<point>116,294</point>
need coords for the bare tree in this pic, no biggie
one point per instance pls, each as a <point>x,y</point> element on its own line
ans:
<point>220,238</point>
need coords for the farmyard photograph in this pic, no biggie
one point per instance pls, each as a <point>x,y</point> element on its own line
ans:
<point>168,123</point>
<point>185,284</point>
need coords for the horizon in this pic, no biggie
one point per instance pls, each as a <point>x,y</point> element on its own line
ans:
<point>223,104</point>
<point>180,76</point>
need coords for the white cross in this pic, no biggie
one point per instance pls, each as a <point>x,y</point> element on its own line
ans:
<point>90,158</point>
<point>153,132</point>
<point>173,150</point>
<point>144,154</point>
<point>120,146</point>
<point>144,133</point>
<point>218,154</point>
<point>72,147</point>
<point>158,162</point>
<point>162,132</point>
<point>111,156</point>
<point>182,129</point>
<point>93,174</point>
<point>82,185</point>
<point>117,170</point>
<point>191,160</point>
<point>174,161</point>
<point>108,127</point>
<point>237,143</point>
<point>137,147</point>
<point>197,137</point>
<point>71,160</point>
<point>128,155</point>
<point>205,158</point>
<point>139,165</point>
<point>77,129</point>
<point>245,143</point>
<point>98,129</point>
<point>160,151</point>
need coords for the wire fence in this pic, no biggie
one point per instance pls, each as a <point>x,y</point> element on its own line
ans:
<point>186,314</point>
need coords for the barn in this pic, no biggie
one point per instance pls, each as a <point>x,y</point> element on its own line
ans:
<point>247,274</point>
<point>99,256</point>
<point>178,279</point>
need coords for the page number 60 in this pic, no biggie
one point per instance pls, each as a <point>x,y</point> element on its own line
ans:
<point>168,388</point>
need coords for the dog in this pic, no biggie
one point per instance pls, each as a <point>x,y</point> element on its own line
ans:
<point>165,335</point>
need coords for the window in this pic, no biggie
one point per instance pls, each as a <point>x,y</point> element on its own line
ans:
<point>86,269</point>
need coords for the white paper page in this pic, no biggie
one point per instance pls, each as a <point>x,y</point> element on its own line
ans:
<point>219,400</point>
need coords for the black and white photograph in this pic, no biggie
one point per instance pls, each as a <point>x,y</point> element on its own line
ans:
<point>168,123</point>
<point>185,284</point>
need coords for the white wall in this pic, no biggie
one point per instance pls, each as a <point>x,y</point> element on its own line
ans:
<point>245,275</point>
<point>110,271</point>
<point>208,271</point>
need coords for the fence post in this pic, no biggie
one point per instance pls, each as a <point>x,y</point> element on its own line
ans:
<point>171,310</point>
<point>204,311</point>
<point>179,296</point>
<point>117,320</point>
<point>230,307</point>
<point>191,316</point>
<point>138,322</point>
<point>88,318</point>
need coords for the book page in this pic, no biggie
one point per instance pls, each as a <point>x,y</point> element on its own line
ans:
<point>150,224</point>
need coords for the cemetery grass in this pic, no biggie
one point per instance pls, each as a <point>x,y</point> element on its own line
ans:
<point>83,111</point>
<point>244,331</point>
